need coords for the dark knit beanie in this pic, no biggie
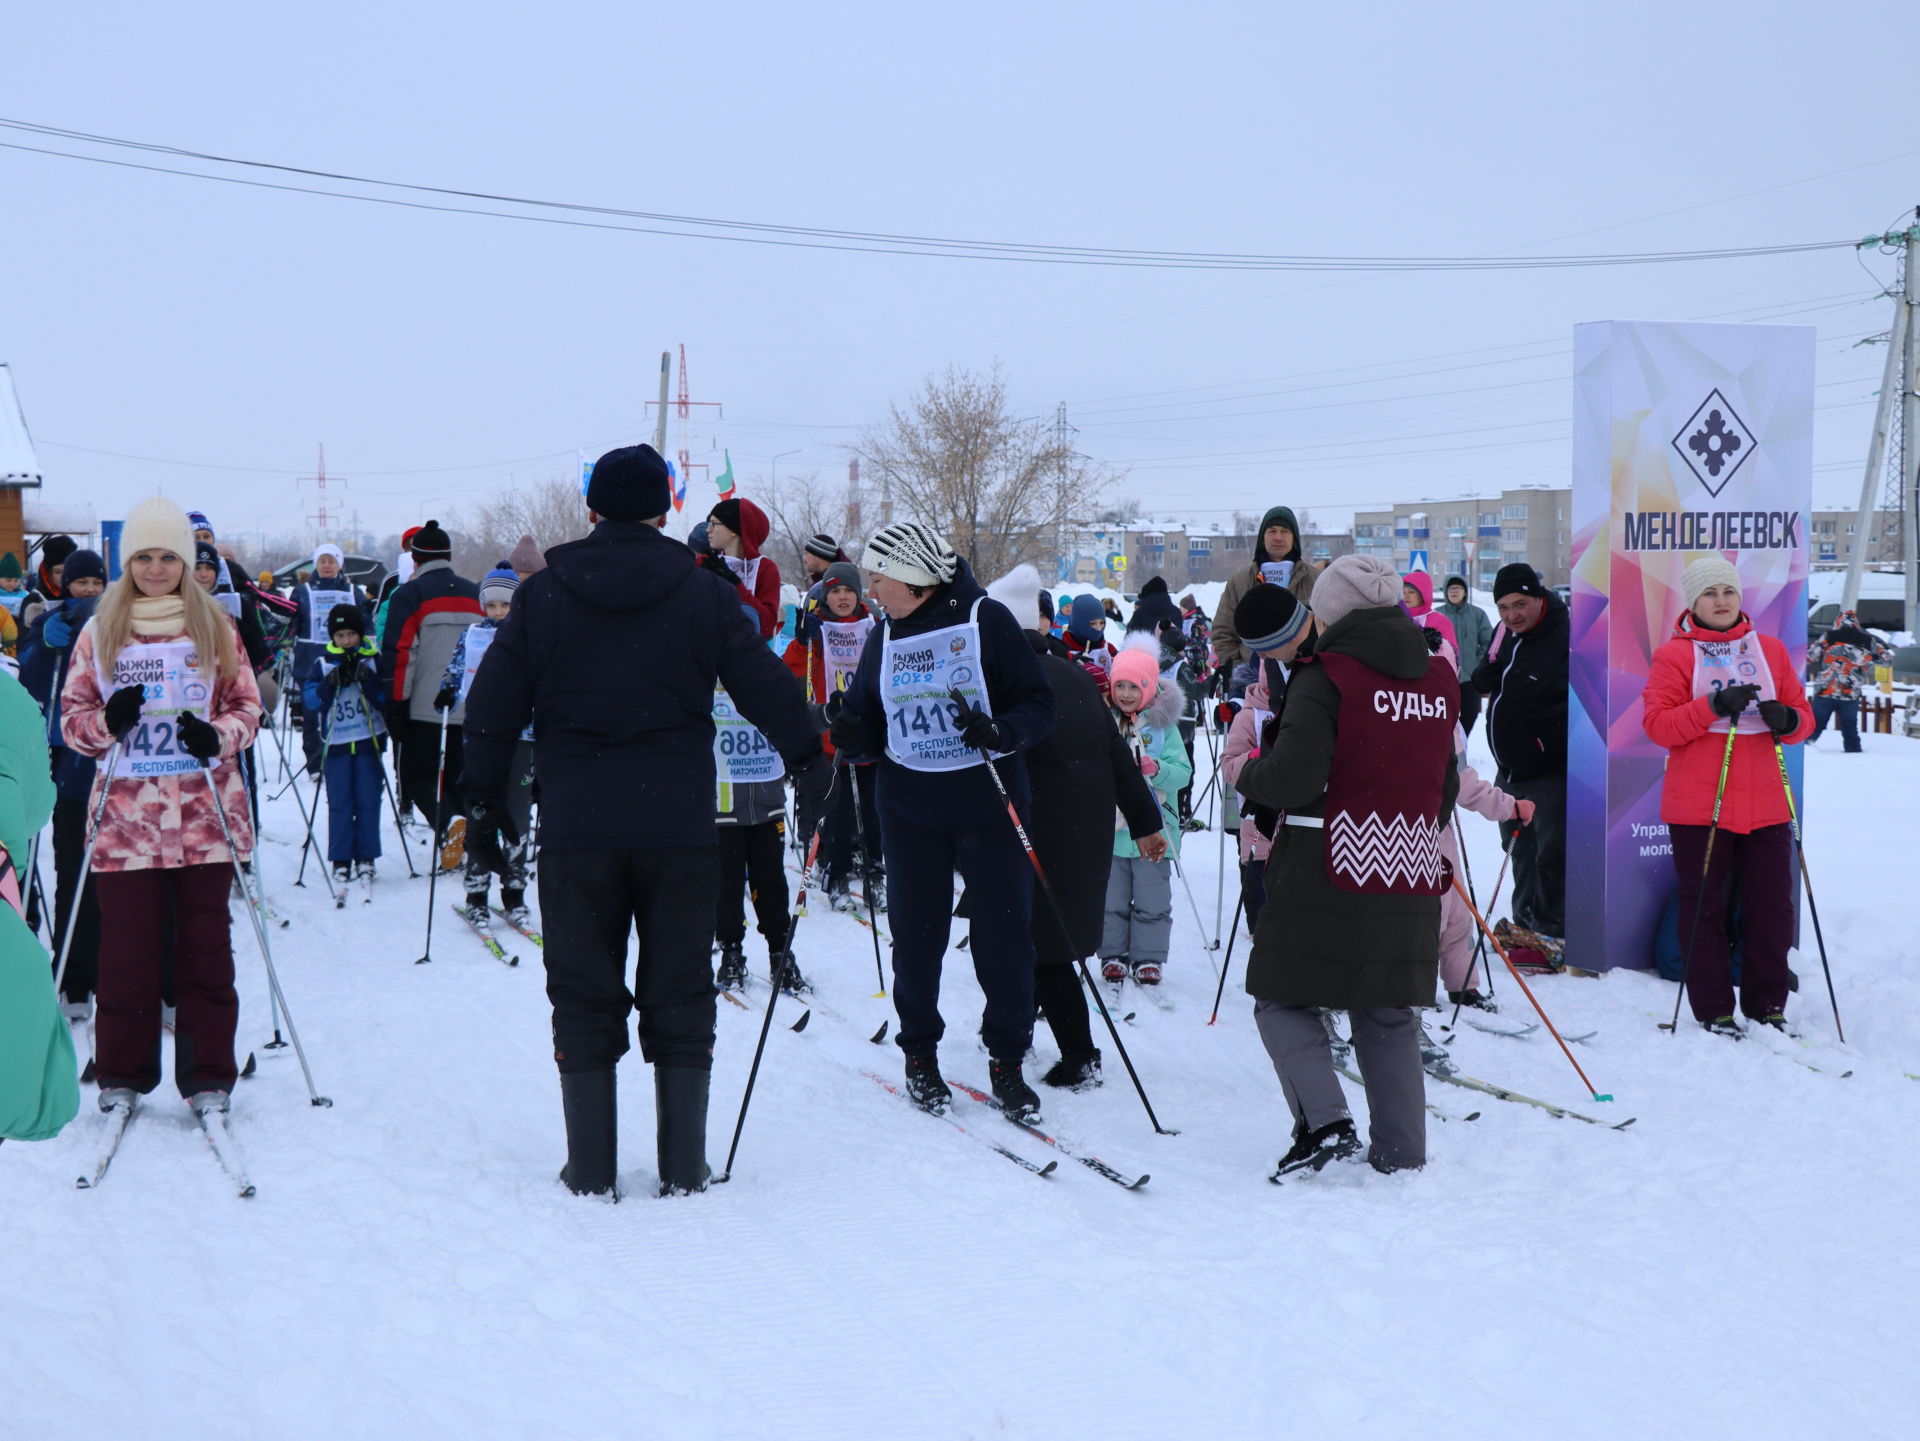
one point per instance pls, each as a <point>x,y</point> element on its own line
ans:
<point>841,572</point>
<point>205,554</point>
<point>432,543</point>
<point>1518,579</point>
<point>346,617</point>
<point>83,565</point>
<point>824,546</point>
<point>1268,616</point>
<point>727,512</point>
<point>1046,606</point>
<point>57,549</point>
<point>631,483</point>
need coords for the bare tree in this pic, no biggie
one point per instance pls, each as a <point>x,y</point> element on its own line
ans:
<point>799,506</point>
<point>551,511</point>
<point>999,487</point>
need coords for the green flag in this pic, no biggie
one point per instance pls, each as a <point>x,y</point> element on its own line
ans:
<point>725,478</point>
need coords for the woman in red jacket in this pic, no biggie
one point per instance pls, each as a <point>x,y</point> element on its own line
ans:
<point>1714,677</point>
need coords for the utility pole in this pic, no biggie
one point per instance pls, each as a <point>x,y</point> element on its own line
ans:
<point>1061,431</point>
<point>322,517</point>
<point>1910,427</point>
<point>1890,390</point>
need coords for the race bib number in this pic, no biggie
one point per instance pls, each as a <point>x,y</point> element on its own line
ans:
<point>740,753</point>
<point>170,680</point>
<point>319,603</point>
<point>13,600</point>
<point>747,570</point>
<point>1718,664</point>
<point>351,720</point>
<point>229,602</point>
<point>479,638</point>
<point>1276,572</point>
<point>842,642</point>
<point>918,675</point>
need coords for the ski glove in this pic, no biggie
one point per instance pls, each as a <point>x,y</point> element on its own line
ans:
<point>447,696</point>
<point>1779,716</point>
<point>812,790</point>
<point>978,730</point>
<point>57,633</point>
<point>123,710</point>
<point>486,824</point>
<point>720,568</point>
<point>197,738</point>
<point>1729,701</point>
<point>348,671</point>
<point>848,733</point>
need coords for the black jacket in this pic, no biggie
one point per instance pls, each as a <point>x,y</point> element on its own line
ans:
<point>612,651</point>
<point>1022,704</point>
<point>1080,774</point>
<point>1316,944</point>
<point>1525,684</point>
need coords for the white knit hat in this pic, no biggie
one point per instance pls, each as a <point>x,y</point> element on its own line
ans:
<point>1019,591</point>
<point>156,524</point>
<point>1704,574</point>
<point>911,553</point>
<point>329,549</point>
<point>1354,582</point>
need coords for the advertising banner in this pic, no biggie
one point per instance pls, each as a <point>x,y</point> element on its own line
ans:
<point>1688,440</point>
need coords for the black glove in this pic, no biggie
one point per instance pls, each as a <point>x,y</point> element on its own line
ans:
<point>812,790</point>
<point>848,733</point>
<point>348,671</point>
<point>1779,716</point>
<point>197,738</point>
<point>978,730</point>
<point>123,710</point>
<point>1729,701</point>
<point>720,568</point>
<point>487,823</point>
<point>448,694</point>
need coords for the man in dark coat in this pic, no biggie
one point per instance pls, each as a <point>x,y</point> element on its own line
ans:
<point>1081,774</point>
<point>939,810</point>
<point>1352,914</point>
<point>1525,682</point>
<point>612,652</point>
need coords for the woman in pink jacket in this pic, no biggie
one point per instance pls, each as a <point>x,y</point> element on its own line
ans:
<point>159,670</point>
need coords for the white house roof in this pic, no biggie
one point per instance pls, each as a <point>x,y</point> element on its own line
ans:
<point>18,464</point>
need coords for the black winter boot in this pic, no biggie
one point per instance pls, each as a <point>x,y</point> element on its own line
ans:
<point>680,1122</point>
<point>733,967</point>
<point>1074,1071</point>
<point>925,1088</point>
<point>593,1132</point>
<point>785,972</point>
<point>1011,1090</point>
<point>1315,1150</point>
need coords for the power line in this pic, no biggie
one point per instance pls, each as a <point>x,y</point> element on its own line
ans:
<point>870,242</point>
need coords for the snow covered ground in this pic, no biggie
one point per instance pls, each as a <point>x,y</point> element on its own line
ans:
<point>1733,1265</point>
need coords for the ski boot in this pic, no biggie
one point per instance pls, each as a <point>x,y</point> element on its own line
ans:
<point>1147,973</point>
<point>513,904</point>
<point>925,1088</point>
<point>1433,1055</point>
<point>363,871</point>
<point>78,1012</point>
<point>475,912</point>
<point>1723,1026</point>
<point>1342,1047</point>
<point>1074,1071</point>
<point>840,895</point>
<point>342,874</point>
<point>1316,1150</point>
<point>733,967</point>
<point>1473,1000</point>
<point>785,972</point>
<point>1114,969</point>
<point>112,1097</point>
<point>1776,1019</point>
<point>1011,1090</point>
<point>876,893</point>
<point>202,1102</point>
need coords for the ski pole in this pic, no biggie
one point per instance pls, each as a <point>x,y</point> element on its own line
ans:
<point>1073,949</point>
<point>433,859</point>
<point>86,863</point>
<point>1706,865</point>
<point>1220,874</point>
<point>866,873</point>
<point>1479,942</point>
<point>260,935</point>
<point>1194,905</point>
<point>1227,965</point>
<point>393,804</point>
<point>326,743</point>
<point>766,1022</point>
<point>1793,816</point>
<point>1461,891</point>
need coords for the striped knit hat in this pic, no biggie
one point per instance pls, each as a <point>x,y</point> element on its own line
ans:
<point>911,553</point>
<point>498,585</point>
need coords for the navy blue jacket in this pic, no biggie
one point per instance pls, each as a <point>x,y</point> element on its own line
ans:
<point>1022,700</point>
<point>612,652</point>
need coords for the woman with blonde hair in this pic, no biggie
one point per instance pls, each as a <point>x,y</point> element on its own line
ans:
<point>159,679</point>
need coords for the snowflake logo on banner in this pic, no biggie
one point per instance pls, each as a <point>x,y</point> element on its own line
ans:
<point>1714,443</point>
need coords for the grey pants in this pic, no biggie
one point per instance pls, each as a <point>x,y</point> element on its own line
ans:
<point>1139,910</point>
<point>1386,1044</point>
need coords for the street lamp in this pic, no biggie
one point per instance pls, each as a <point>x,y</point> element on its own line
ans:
<point>775,478</point>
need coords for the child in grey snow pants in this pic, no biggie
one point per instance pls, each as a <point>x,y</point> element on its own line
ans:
<point>1139,911</point>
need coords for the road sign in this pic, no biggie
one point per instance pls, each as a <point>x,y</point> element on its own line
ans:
<point>1417,560</point>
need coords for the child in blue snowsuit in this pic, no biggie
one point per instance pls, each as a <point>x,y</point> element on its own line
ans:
<point>337,686</point>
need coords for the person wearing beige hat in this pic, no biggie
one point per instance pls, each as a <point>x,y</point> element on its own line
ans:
<point>158,678</point>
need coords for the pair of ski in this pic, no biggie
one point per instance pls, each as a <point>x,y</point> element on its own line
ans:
<point>1117,989</point>
<point>361,884</point>
<point>492,942</point>
<point>1526,1029</point>
<point>213,1125</point>
<point>809,1003</point>
<point>1091,1162</point>
<point>1444,1071</point>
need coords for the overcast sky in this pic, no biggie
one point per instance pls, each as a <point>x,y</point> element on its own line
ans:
<point>221,332</point>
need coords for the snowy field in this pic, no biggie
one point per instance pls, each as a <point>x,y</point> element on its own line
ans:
<point>1734,1265</point>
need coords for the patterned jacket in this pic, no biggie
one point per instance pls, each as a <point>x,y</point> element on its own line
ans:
<point>1841,662</point>
<point>164,822</point>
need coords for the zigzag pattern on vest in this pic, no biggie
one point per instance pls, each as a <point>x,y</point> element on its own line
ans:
<point>1402,851</point>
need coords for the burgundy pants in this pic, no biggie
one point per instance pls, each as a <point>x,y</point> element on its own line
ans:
<point>1761,862</point>
<point>145,918</point>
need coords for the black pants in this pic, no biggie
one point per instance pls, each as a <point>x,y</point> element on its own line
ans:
<point>1253,892</point>
<point>751,860</point>
<point>69,847</point>
<point>420,766</point>
<point>1539,851</point>
<point>921,861</point>
<point>840,835</point>
<point>1186,791</point>
<point>1063,1001</point>
<point>591,904</point>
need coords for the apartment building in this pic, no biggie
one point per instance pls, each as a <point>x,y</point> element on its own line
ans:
<point>1475,537</point>
<point>1833,534</point>
<point>1124,556</point>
